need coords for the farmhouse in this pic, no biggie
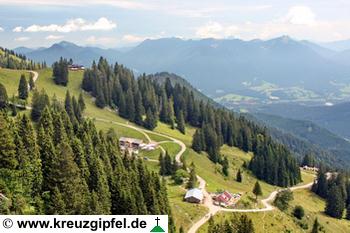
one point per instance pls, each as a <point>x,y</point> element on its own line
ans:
<point>226,199</point>
<point>130,144</point>
<point>194,196</point>
<point>75,67</point>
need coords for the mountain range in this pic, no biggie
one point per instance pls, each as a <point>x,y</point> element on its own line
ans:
<point>219,67</point>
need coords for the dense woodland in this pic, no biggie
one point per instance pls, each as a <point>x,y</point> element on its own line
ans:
<point>335,188</point>
<point>11,60</point>
<point>144,101</point>
<point>63,165</point>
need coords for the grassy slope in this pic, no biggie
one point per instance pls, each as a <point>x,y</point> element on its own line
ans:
<point>10,79</point>
<point>277,221</point>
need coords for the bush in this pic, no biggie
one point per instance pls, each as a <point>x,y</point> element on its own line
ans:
<point>180,176</point>
<point>282,199</point>
<point>299,212</point>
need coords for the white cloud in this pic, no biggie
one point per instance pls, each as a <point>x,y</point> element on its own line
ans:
<point>72,25</point>
<point>300,15</point>
<point>217,30</point>
<point>54,37</point>
<point>101,40</point>
<point>1,29</point>
<point>18,29</point>
<point>21,39</point>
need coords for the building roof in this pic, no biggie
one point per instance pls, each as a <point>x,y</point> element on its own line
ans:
<point>131,140</point>
<point>196,193</point>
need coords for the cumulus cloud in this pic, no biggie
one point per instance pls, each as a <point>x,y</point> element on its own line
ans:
<point>21,39</point>
<point>18,29</point>
<point>1,29</point>
<point>73,25</point>
<point>299,22</point>
<point>54,37</point>
<point>300,15</point>
<point>217,30</point>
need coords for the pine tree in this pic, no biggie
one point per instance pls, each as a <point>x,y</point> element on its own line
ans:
<point>257,190</point>
<point>8,159</point>
<point>335,202</point>
<point>56,204</point>
<point>239,177</point>
<point>39,102</point>
<point>3,97</point>
<point>192,182</point>
<point>60,72</point>
<point>225,166</point>
<point>23,88</point>
<point>181,122</point>
<point>245,225</point>
<point>31,82</point>
<point>197,141</point>
<point>81,102</point>
<point>150,121</point>
<point>315,227</point>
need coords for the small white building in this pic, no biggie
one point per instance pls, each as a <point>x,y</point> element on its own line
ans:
<point>194,196</point>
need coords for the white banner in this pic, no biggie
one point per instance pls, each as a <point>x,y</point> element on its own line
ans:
<point>83,223</point>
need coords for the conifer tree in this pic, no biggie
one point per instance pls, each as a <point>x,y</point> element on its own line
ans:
<point>181,122</point>
<point>150,121</point>
<point>239,177</point>
<point>39,102</point>
<point>8,159</point>
<point>3,97</point>
<point>81,102</point>
<point>23,88</point>
<point>257,190</point>
<point>31,82</point>
<point>335,203</point>
<point>56,204</point>
<point>225,166</point>
<point>192,182</point>
<point>315,227</point>
<point>197,141</point>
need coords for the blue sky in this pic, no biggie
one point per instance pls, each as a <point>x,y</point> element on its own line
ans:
<point>119,23</point>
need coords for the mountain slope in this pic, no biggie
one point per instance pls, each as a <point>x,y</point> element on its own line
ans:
<point>329,147</point>
<point>334,118</point>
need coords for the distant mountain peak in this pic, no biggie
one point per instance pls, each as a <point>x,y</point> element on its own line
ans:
<point>66,44</point>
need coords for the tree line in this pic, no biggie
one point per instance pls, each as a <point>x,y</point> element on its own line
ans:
<point>144,101</point>
<point>63,165</point>
<point>335,188</point>
<point>11,60</point>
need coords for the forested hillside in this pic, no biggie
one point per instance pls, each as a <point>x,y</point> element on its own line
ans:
<point>11,60</point>
<point>176,105</point>
<point>62,165</point>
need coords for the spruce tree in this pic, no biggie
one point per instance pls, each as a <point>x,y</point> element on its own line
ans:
<point>31,82</point>
<point>150,121</point>
<point>335,203</point>
<point>23,88</point>
<point>239,177</point>
<point>315,227</point>
<point>257,190</point>
<point>192,182</point>
<point>181,122</point>
<point>3,97</point>
<point>8,159</point>
<point>197,141</point>
<point>81,102</point>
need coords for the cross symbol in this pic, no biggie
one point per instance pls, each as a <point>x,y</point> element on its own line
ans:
<point>157,219</point>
